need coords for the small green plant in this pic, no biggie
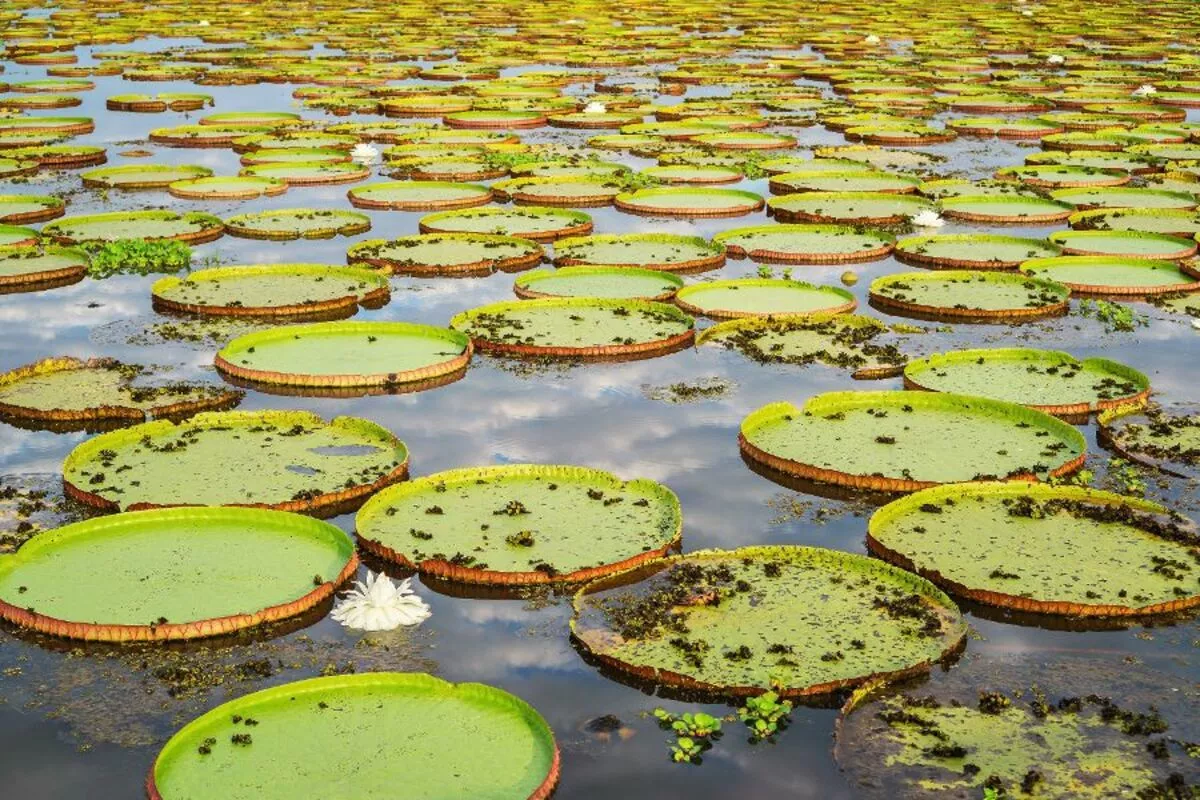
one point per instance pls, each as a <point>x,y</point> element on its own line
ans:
<point>1083,477</point>
<point>1114,316</point>
<point>765,715</point>
<point>137,257</point>
<point>991,794</point>
<point>1125,477</point>
<point>765,272</point>
<point>694,733</point>
<point>688,750</point>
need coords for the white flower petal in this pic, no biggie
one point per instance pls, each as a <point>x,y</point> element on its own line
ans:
<point>377,604</point>
<point>927,218</point>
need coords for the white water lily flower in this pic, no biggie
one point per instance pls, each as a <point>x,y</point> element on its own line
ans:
<point>927,218</point>
<point>377,604</point>
<point>203,23</point>
<point>1196,324</point>
<point>364,154</point>
<point>1054,58</point>
<point>1027,12</point>
<point>872,39</point>
<point>1145,90</point>
<point>595,108</point>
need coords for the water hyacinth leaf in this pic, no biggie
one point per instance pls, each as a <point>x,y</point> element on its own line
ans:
<point>288,460</point>
<point>805,620</point>
<point>904,441</point>
<point>444,740</point>
<point>521,524</point>
<point>176,573</point>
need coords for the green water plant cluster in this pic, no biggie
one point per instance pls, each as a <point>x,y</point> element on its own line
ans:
<point>137,257</point>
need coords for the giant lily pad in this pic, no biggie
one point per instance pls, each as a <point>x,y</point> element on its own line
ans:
<point>272,290</point>
<point>1164,437</point>
<point>1126,244</point>
<point>747,297</point>
<point>298,223</point>
<point>805,244</point>
<point>904,441</point>
<point>1035,548</point>
<point>528,222</point>
<point>397,355</point>
<point>1125,197</point>
<point>68,393</point>
<point>16,209</point>
<point>321,738</point>
<point>309,173</point>
<point>419,195</point>
<point>660,251</point>
<point>576,191</point>
<point>689,202</point>
<point>616,282</point>
<point>577,327</point>
<point>972,251</point>
<point>447,254</point>
<point>191,226</point>
<point>288,460</point>
<point>1176,221</point>
<point>857,181</point>
<point>1114,275</point>
<point>225,187</point>
<point>1006,209</point>
<point>1047,380</point>
<point>1063,728</point>
<point>24,267</point>
<point>850,208</point>
<point>845,340</point>
<point>521,524</point>
<point>969,296</point>
<point>141,176</point>
<point>175,573</point>
<point>804,619</point>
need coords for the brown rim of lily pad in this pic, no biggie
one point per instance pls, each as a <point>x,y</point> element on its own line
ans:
<point>471,201</point>
<point>449,571</point>
<point>752,203</point>
<point>1127,292</point>
<point>532,121</point>
<point>87,157</point>
<point>334,176</point>
<point>703,264</point>
<point>1015,602</point>
<point>485,266</point>
<point>603,196</point>
<point>175,631</point>
<point>346,392</point>
<point>1006,219</point>
<point>154,104</point>
<point>322,309</point>
<point>251,191</point>
<point>848,305</point>
<point>581,228</point>
<point>950,312</point>
<point>427,375</point>
<point>218,402</point>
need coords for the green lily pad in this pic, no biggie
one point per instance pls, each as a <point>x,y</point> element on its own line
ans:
<point>444,740</point>
<point>579,191</point>
<point>1125,197</point>
<point>176,573</point>
<point>309,173</point>
<point>298,223</point>
<point>1063,550</point>
<point>972,251</point>
<point>903,441</point>
<point>959,187</point>
<point>24,265</point>
<point>399,356</point>
<point>660,251</point>
<point>1126,244</point>
<point>745,297</point>
<point>1064,175</point>
<point>693,174</point>
<point>66,393</point>
<point>1005,209</point>
<point>15,168</point>
<point>295,155</point>
<point>804,619</point>
<point>576,327</point>
<point>260,139</point>
<point>969,296</point>
<point>269,118</point>
<point>1178,222</point>
<point>521,524</point>
<point>851,208</point>
<point>288,460</point>
<point>17,236</point>
<point>1048,380</point>
<point>141,176</point>
<point>19,208</point>
<point>854,181</point>
<point>447,254</point>
<point>616,282</point>
<point>806,244</point>
<point>1063,728</point>
<point>1167,438</point>
<point>271,290</point>
<point>528,222</point>
<point>226,187</point>
<point>689,202</point>
<point>191,226</point>
<point>1114,275</point>
<point>846,340</point>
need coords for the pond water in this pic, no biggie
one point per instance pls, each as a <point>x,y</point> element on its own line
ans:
<point>80,722</point>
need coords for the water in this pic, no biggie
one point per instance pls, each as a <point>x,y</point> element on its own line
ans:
<point>78,723</point>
